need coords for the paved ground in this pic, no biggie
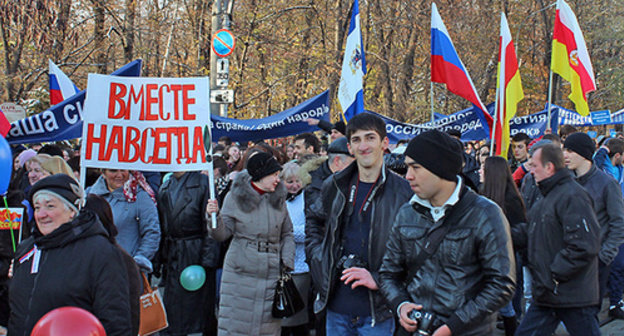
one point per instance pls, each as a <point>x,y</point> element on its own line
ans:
<point>613,328</point>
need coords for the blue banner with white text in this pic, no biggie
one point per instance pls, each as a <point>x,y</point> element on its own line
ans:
<point>470,126</point>
<point>286,123</point>
<point>62,121</point>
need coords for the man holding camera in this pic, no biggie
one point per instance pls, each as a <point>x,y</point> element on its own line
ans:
<point>346,234</point>
<point>449,262</point>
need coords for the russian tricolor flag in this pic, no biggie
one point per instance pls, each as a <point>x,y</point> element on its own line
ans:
<point>61,87</point>
<point>447,68</point>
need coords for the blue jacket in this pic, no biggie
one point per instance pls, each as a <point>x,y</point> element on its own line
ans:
<point>603,162</point>
<point>137,222</point>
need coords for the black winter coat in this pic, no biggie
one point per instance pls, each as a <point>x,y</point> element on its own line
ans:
<point>78,266</point>
<point>530,191</point>
<point>323,232</point>
<point>468,278</point>
<point>563,245</point>
<point>185,241</point>
<point>609,208</point>
<point>312,195</point>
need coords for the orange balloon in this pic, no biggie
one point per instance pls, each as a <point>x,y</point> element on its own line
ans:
<point>68,321</point>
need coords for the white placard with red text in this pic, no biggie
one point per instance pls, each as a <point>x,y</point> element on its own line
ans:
<point>142,123</point>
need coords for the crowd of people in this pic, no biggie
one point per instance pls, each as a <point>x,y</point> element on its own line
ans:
<point>430,236</point>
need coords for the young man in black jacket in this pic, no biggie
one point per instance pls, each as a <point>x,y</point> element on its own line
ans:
<point>563,245</point>
<point>459,281</point>
<point>347,232</point>
<point>608,204</point>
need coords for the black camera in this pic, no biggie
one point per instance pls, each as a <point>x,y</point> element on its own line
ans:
<point>425,321</point>
<point>349,261</point>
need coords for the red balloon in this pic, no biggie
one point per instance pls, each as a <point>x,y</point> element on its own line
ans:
<point>68,321</point>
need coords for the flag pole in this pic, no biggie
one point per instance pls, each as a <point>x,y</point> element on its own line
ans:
<point>550,79</point>
<point>431,99</point>
<point>495,122</point>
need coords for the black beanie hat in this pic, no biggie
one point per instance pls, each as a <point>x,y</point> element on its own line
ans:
<point>262,164</point>
<point>438,153</point>
<point>581,144</point>
<point>340,127</point>
<point>62,186</point>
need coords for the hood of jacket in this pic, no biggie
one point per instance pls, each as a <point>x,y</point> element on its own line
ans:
<point>99,187</point>
<point>245,194</point>
<point>86,224</point>
<point>547,184</point>
<point>307,168</point>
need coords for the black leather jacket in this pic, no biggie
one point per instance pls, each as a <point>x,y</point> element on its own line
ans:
<point>323,232</point>
<point>563,245</point>
<point>468,278</point>
<point>312,193</point>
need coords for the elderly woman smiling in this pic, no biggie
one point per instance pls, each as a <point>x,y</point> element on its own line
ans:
<point>68,261</point>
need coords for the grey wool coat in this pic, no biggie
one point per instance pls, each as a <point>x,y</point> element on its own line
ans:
<point>261,233</point>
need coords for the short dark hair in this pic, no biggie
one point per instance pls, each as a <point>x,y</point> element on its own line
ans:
<point>220,164</point>
<point>51,149</point>
<point>565,130</point>
<point>226,139</point>
<point>615,145</point>
<point>553,154</point>
<point>553,137</point>
<point>310,139</point>
<point>521,136</point>
<point>102,209</point>
<point>366,121</point>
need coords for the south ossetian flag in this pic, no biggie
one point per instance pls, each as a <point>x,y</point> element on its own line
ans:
<point>61,87</point>
<point>509,87</point>
<point>447,68</point>
<point>570,58</point>
<point>351,90</point>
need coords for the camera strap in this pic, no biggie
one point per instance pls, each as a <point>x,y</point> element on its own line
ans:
<point>434,238</point>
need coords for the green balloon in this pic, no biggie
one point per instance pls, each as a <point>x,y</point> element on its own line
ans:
<point>193,277</point>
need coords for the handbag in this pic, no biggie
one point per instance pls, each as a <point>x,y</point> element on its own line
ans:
<point>287,301</point>
<point>153,316</point>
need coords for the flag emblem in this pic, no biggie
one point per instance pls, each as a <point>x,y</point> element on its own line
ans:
<point>574,60</point>
<point>356,59</point>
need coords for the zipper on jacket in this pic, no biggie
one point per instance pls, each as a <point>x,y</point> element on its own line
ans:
<point>331,253</point>
<point>370,292</point>
<point>370,237</point>
<point>32,291</point>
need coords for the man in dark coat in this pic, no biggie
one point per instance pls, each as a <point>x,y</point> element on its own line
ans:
<point>563,244</point>
<point>338,158</point>
<point>469,272</point>
<point>608,205</point>
<point>346,234</point>
<point>185,242</point>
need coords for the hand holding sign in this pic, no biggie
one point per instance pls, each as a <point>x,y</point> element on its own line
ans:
<point>212,207</point>
<point>208,148</point>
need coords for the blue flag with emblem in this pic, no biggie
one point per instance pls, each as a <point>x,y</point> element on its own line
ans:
<point>351,90</point>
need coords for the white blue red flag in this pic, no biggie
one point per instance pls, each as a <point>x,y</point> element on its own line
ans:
<point>447,68</point>
<point>61,87</point>
<point>351,90</point>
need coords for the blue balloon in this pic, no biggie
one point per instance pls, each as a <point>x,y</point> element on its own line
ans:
<point>193,277</point>
<point>6,165</point>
